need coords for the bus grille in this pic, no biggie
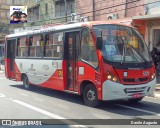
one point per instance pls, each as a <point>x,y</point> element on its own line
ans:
<point>131,91</point>
<point>133,80</point>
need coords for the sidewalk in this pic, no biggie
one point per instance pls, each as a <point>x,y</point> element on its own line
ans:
<point>1,71</point>
<point>158,85</point>
<point>157,91</point>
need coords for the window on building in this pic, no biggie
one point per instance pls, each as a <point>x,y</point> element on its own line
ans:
<point>33,14</point>
<point>70,7</point>
<point>22,47</point>
<point>60,8</point>
<point>53,45</point>
<point>36,44</point>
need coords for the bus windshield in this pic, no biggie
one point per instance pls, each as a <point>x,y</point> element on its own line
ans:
<point>122,44</point>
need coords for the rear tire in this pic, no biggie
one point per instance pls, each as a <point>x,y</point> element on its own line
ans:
<point>90,96</point>
<point>26,84</point>
<point>135,100</point>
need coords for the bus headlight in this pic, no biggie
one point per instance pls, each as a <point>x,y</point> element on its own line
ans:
<point>111,77</point>
<point>153,76</point>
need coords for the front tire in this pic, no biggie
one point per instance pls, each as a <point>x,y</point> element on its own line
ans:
<point>26,84</point>
<point>90,96</point>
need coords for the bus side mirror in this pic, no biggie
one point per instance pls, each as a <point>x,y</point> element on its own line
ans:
<point>99,43</point>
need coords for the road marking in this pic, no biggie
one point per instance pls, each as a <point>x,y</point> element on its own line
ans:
<point>45,112</point>
<point>39,110</point>
<point>2,95</point>
<point>137,109</point>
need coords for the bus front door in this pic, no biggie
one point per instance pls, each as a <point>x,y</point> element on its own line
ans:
<point>10,68</point>
<point>72,46</point>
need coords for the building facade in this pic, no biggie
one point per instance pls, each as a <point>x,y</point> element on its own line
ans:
<point>143,14</point>
<point>45,12</point>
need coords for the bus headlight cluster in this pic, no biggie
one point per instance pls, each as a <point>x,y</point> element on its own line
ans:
<point>153,76</point>
<point>111,77</point>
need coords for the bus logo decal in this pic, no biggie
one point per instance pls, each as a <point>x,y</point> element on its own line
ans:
<point>31,68</point>
<point>60,72</point>
<point>146,73</point>
<point>136,80</point>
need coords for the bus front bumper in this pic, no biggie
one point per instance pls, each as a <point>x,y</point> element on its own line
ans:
<point>116,91</point>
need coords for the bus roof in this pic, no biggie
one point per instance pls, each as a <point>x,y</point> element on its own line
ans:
<point>64,27</point>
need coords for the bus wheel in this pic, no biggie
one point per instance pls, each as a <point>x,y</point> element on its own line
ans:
<point>90,96</point>
<point>26,82</point>
<point>135,100</point>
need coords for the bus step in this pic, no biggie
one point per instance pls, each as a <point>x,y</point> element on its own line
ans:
<point>69,91</point>
<point>12,79</point>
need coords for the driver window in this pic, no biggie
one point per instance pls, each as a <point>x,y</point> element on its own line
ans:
<point>88,50</point>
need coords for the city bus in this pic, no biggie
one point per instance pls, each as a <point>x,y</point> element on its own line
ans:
<point>99,60</point>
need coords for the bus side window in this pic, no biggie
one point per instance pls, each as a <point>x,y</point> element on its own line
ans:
<point>88,50</point>
<point>36,45</point>
<point>53,45</point>
<point>31,47</point>
<point>39,46</point>
<point>58,40</point>
<point>48,45</point>
<point>46,39</point>
<point>22,47</point>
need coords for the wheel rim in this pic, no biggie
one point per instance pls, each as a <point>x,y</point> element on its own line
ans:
<point>91,95</point>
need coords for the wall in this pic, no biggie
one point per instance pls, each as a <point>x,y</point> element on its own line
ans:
<point>85,8</point>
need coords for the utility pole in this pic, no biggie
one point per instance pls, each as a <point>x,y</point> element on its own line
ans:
<point>65,2</point>
<point>93,4</point>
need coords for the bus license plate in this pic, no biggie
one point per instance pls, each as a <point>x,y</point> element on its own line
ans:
<point>137,95</point>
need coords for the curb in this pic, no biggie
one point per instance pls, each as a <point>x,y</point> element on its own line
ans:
<point>156,95</point>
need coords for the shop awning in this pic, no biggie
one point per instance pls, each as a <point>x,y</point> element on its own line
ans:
<point>147,17</point>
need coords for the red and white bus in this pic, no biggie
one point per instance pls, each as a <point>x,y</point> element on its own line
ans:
<point>98,60</point>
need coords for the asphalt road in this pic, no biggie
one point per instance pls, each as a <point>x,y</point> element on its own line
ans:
<point>40,103</point>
